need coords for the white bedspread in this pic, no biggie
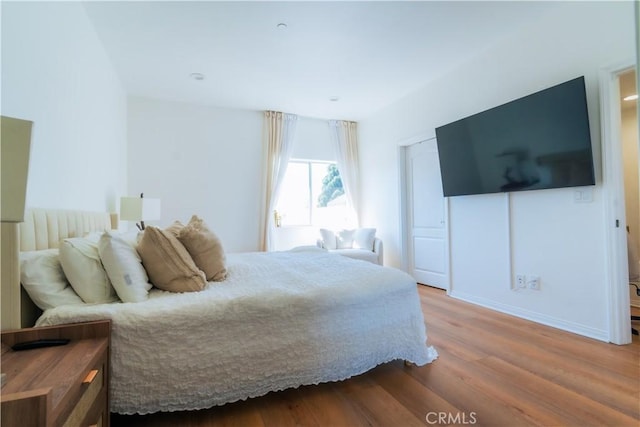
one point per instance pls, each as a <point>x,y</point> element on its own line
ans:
<point>280,320</point>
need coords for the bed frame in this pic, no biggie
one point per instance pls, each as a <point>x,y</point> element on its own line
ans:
<point>41,229</point>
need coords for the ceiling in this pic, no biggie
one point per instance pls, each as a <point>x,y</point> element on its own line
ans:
<point>367,54</point>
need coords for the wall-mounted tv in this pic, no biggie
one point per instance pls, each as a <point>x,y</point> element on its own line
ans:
<point>536,142</point>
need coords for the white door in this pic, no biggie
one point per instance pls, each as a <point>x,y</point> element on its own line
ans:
<point>427,239</point>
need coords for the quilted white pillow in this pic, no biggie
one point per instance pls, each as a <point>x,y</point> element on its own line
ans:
<point>81,264</point>
<point>363,238</point>
<point>124,267</point>
<point>344,239</point>
<point>328,238</point>
<point>42,277</point>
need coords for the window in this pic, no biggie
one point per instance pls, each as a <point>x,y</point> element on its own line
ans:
<point>312,194</point>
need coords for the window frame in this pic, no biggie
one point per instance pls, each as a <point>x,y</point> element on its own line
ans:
<point>309,163</point>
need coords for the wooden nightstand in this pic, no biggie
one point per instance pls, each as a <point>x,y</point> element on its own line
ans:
<point>64,385</point>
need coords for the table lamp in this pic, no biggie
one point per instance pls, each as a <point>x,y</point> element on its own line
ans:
<point>15,138</point>
<point>139,209</point>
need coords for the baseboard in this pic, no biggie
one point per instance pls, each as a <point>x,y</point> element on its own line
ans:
<point>572,327</point>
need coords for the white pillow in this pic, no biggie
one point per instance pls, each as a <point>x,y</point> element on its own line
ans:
<point>344,239</point>
<point>42,277</point>
<point>124,267</point>
<point>363,238</point>
<point>328,238</point>
<point>81,264</point>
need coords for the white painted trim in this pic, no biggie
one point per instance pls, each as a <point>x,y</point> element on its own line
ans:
<point>402,191</point>
<point>617,273</point>
<point>422,136</point>
<point>447,248</point>
<point>554,322</point>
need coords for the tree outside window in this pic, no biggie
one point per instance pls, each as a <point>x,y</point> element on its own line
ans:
<point>331,186</point>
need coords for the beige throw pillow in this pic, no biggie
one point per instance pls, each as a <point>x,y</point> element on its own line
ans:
<point>168,263</point>
<point>205,248</point>
<point>175,228</point>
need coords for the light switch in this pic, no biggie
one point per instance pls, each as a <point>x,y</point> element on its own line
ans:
<point>583,195</point>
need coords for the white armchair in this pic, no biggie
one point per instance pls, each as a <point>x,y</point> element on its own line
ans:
<point>359,244</point>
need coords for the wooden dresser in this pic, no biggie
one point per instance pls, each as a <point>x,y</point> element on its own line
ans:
<point>65,385</point>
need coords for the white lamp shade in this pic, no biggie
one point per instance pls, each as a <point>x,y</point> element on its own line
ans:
<point>14,152</point>
<point>139,209</point>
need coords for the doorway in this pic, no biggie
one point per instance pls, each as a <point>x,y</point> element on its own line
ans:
<point>424,211</point>
<point>630,160</point>
<point>614,194</point>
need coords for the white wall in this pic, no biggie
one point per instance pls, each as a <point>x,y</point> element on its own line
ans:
<point>313,141</point>
<point>56,73</point>
<point>199,160</point>
<point>209,161</point>
<point>553,237</point>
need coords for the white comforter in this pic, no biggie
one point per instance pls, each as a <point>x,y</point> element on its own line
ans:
<point>280,320</point>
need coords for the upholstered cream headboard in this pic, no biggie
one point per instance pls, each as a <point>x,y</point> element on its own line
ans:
<point>41,229</point>
<point>44,228</point>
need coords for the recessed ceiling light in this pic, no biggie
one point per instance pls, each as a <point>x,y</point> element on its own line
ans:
<point>197,76</point>
<point>281,26</point>
<point>334,99</point>
<point>631,97</point>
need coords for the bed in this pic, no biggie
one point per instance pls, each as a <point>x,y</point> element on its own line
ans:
<point>279,320</point>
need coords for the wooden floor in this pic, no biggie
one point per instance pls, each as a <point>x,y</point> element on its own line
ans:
<point>493,370</point>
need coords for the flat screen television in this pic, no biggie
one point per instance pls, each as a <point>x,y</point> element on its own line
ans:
<point>536,142</point>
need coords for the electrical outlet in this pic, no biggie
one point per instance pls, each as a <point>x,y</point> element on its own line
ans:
<point>521,281</point>
<point>534,283</point>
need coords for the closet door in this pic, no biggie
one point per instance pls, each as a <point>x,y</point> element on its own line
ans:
<point>427,239</point>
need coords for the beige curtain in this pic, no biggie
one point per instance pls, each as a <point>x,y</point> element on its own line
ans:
<point>279,130</point>
<point>345,138</point>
